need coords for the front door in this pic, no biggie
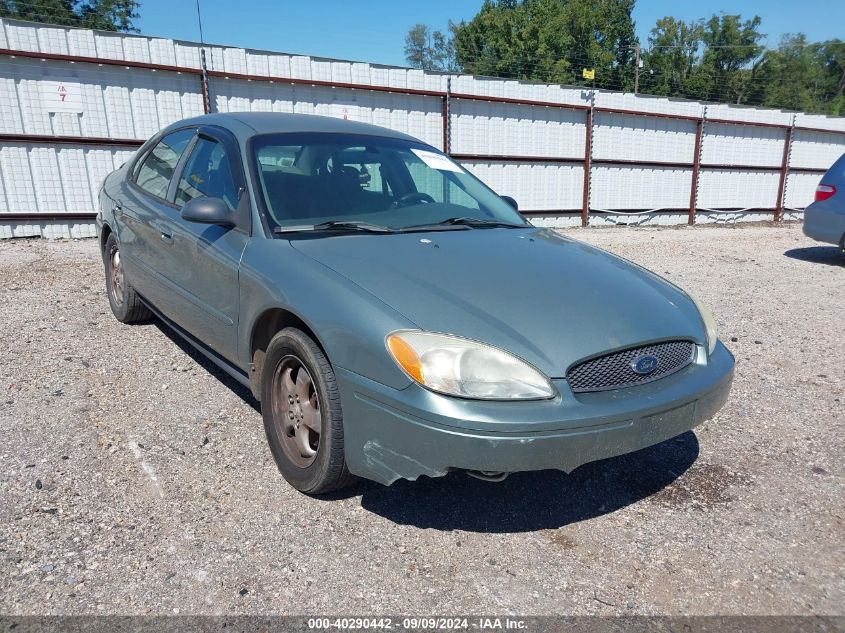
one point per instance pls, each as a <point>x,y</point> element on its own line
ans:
<point>200,262</point>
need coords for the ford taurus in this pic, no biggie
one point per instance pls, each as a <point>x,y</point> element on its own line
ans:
<point>393,315</point>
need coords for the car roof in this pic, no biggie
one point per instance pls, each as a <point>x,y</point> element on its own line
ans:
<point>836,173</point>
<point>247,124</point>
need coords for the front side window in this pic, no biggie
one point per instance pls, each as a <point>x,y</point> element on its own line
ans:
<point>207,174</point>
<point>312,178</point>
<point>156,169</point>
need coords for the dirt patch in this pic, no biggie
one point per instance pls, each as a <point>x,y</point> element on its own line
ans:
<point>703,486</point>
<point>562,539</point>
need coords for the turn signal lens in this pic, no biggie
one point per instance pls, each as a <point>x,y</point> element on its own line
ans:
<point>405,355</point>
<point>709,324</point>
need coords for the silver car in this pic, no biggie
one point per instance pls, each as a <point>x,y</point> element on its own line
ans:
<point>824,220</point>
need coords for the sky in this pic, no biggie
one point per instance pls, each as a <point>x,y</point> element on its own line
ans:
<point>374,30</point>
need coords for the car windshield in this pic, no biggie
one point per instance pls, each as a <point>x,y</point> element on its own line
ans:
<point>339,181</point>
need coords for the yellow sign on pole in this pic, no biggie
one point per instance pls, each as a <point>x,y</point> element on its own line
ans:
<point>589,73</point>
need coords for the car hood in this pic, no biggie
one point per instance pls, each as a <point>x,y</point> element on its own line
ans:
<point>548,299</point>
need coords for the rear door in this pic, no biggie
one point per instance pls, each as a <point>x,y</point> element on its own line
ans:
<point>199,262</point>
<point>143,209</point>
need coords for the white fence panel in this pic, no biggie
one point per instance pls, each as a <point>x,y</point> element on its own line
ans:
<point>418,116</point>
<point>735,189</point>
<point>748,113</point>
<point>505,129</point>
<point>647,103</point>
<point>816,149</point>
<point>81,42</point>
<point>638,188</point>
<point>114,103</point>
<point>18,188</point>
<point>742,145</point>
<point>52,40</point>
<point>631,137</point>
<point>536,186</point>
<point>800,190</point>
<point>49,180</point>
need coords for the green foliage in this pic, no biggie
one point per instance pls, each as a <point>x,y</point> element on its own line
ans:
<point>550,40</point>
<point>430,50</point>
<point>731,53</point>
<point>670,64</point>
<point>804,76</point>
<point>718,59</point>
<point>107,15</point>
<point>722,59</point>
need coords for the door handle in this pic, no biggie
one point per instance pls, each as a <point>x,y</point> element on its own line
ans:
<point>118,207</point>
<point>167,239</point>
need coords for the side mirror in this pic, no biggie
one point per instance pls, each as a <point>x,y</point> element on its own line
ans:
<point>207,211</point>
<point>510,201</point>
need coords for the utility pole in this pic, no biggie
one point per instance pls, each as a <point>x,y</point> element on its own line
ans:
<point>636,68</point>
<point>206,93</point>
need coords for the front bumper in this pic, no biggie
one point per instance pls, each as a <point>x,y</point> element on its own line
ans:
<point>390,434</point>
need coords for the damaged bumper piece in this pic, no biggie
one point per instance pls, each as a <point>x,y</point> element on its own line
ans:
<point>402,434</point>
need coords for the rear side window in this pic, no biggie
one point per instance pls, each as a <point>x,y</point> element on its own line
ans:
<point>207,173</point>
<point>156,169</point>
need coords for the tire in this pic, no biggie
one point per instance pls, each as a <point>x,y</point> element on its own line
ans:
<point>303,419</point>
<point>126,305</point>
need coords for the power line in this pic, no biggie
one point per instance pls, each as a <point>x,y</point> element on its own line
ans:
<point>565,71</point>
<point>199,23</point>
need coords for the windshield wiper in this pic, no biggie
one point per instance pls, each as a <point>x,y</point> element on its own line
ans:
<point>470,222</point>
<point>335,225</point>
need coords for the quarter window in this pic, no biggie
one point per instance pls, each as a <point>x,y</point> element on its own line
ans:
<point>207,174</point>
<point>156,170</point>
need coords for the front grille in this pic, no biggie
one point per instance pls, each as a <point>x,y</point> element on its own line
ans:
<point>614,371</point>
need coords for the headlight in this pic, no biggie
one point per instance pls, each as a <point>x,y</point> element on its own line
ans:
<point>463,368</point>
<point>709,324</point>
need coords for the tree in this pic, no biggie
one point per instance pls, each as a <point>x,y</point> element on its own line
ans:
<point>674,51</point>
<point>550,40</point>
<point>417,46</point>
<point>731,55</point>
<point>799,75</point>
<point>832,56</point>
<point>107,15</point>
<point>430,50</point>
<point>444,55</point>
<point>718,59</point>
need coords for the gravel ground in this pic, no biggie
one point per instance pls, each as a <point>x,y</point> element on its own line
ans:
<point>136,479</point>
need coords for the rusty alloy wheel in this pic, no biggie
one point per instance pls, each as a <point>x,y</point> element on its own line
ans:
<point>296,411</point>
<point>116,280</point>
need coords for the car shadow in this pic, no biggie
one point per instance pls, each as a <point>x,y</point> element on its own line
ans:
<point>531,501</point>
<point>236,387</point>
<point>829,255</point>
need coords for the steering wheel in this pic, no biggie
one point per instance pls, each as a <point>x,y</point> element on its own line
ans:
<point>416,196</point>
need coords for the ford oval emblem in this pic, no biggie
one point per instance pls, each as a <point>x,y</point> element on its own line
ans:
<point>645,364</point>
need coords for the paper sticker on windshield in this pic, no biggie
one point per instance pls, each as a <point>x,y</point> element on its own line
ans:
<point>437,161</point>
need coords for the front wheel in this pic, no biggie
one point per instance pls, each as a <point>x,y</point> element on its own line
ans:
<point>300,404</point>
<point>125,303</point>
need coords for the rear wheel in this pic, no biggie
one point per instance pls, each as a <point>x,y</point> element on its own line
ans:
<point>300,404</point>
<point>125,303</point>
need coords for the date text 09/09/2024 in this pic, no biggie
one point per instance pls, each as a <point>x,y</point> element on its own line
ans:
<point>418,623</point>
